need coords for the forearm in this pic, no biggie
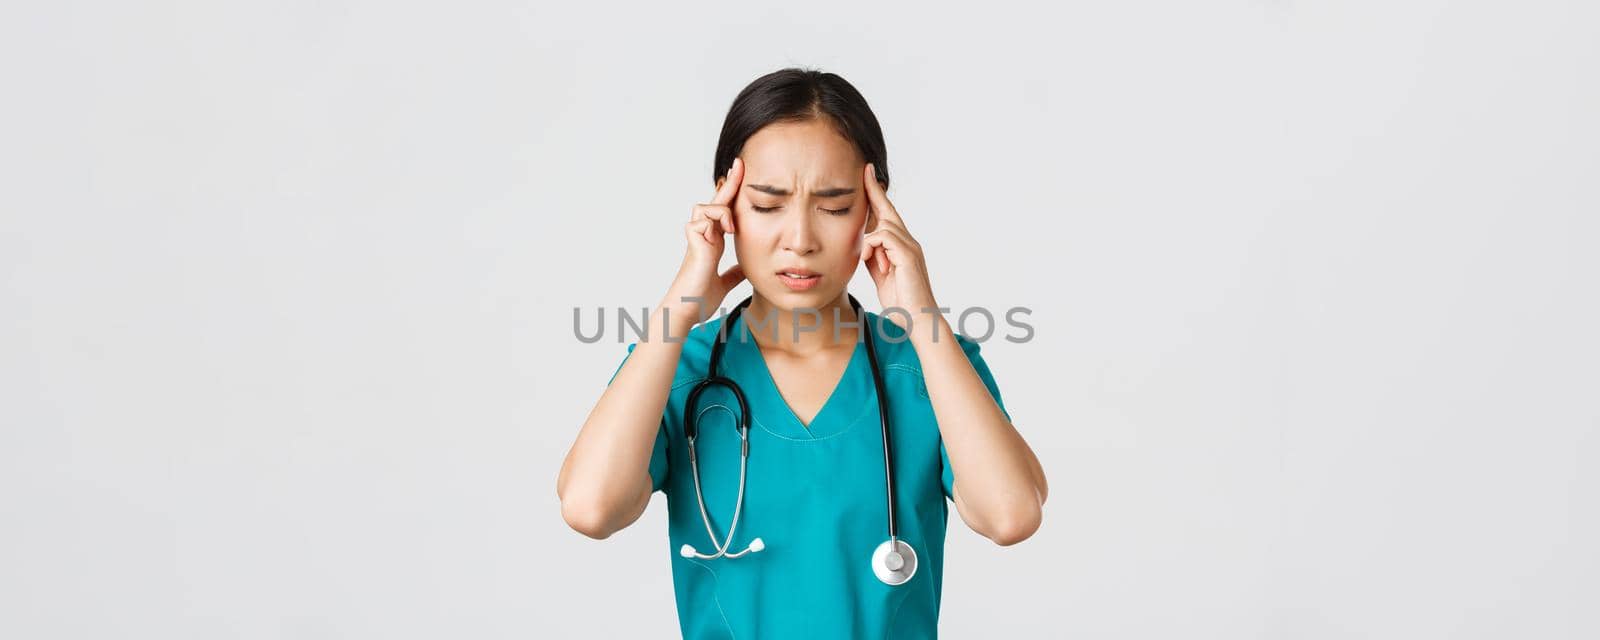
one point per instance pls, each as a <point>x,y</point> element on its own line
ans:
<point>604,483</point>
<point>1000,485</point>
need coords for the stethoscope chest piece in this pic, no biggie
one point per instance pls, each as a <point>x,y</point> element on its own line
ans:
<point>894,562</point>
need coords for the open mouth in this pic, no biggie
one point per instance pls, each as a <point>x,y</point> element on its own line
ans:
<point>799,279</point>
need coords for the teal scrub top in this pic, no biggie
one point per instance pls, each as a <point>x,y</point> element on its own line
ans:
<point>814,494</point>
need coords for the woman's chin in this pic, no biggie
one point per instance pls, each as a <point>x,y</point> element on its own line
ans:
<point>783,295</point>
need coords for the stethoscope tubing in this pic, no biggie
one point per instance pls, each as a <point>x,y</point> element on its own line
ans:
<point>894,562</point>
<point>738,504</point>
<point>883,419</point>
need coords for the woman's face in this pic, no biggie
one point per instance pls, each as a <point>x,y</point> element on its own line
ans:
<point>800,212</point>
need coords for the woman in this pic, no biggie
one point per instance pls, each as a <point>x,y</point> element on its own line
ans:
<point>801,547</point>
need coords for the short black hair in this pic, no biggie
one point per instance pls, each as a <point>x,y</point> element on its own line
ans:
<point>796,94</point>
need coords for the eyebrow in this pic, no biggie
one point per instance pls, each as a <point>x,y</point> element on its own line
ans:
<point>820,193</point>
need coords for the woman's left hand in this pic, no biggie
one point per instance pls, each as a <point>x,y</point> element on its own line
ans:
<point>894,259</point>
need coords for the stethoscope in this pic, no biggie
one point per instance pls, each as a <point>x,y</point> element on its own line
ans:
<point>894,561</point>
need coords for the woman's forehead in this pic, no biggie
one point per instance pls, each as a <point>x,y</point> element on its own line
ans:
<point>809,154</point>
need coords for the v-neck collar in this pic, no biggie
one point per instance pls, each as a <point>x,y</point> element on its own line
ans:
<point>767,401</point>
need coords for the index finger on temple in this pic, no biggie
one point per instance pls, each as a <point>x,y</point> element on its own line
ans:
<point>730,184</point>
<point>879,199</point>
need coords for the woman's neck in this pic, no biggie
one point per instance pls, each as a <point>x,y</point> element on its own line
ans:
<point>829,327</point>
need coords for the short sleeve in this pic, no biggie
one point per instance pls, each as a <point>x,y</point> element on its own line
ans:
<point>970,348</point>
<point>658,454</point>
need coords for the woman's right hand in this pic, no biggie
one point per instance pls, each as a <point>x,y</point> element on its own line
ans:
<point>698,276</point>
<point>598,495</point>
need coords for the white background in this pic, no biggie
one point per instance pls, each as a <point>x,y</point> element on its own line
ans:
<point>286,298</point>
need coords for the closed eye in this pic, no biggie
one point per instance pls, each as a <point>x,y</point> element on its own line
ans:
<point>837,212</point>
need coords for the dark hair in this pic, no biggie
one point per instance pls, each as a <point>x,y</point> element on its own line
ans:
<point>796,95</point>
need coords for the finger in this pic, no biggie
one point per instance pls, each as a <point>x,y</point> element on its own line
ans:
<point>871,255</point>
<point>730,183</point>
<point>912,248</point>
<point>866,256</point>
<point>706,229</point>
<point>697,227</point>
<point>903,251</point>
<point>900,234</point>
<point>898,252</point>
<point>723,215</point>
<point>873,270</point>
<point>877,263</point>
<point>880,200</point>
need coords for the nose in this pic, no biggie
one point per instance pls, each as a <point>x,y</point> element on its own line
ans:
<point>798,236</point>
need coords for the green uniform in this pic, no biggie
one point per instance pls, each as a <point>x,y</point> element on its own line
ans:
<point>814,494</point>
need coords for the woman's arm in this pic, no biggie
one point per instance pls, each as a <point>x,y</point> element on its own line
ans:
<point>605,483</point>
<point>999,485</point>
